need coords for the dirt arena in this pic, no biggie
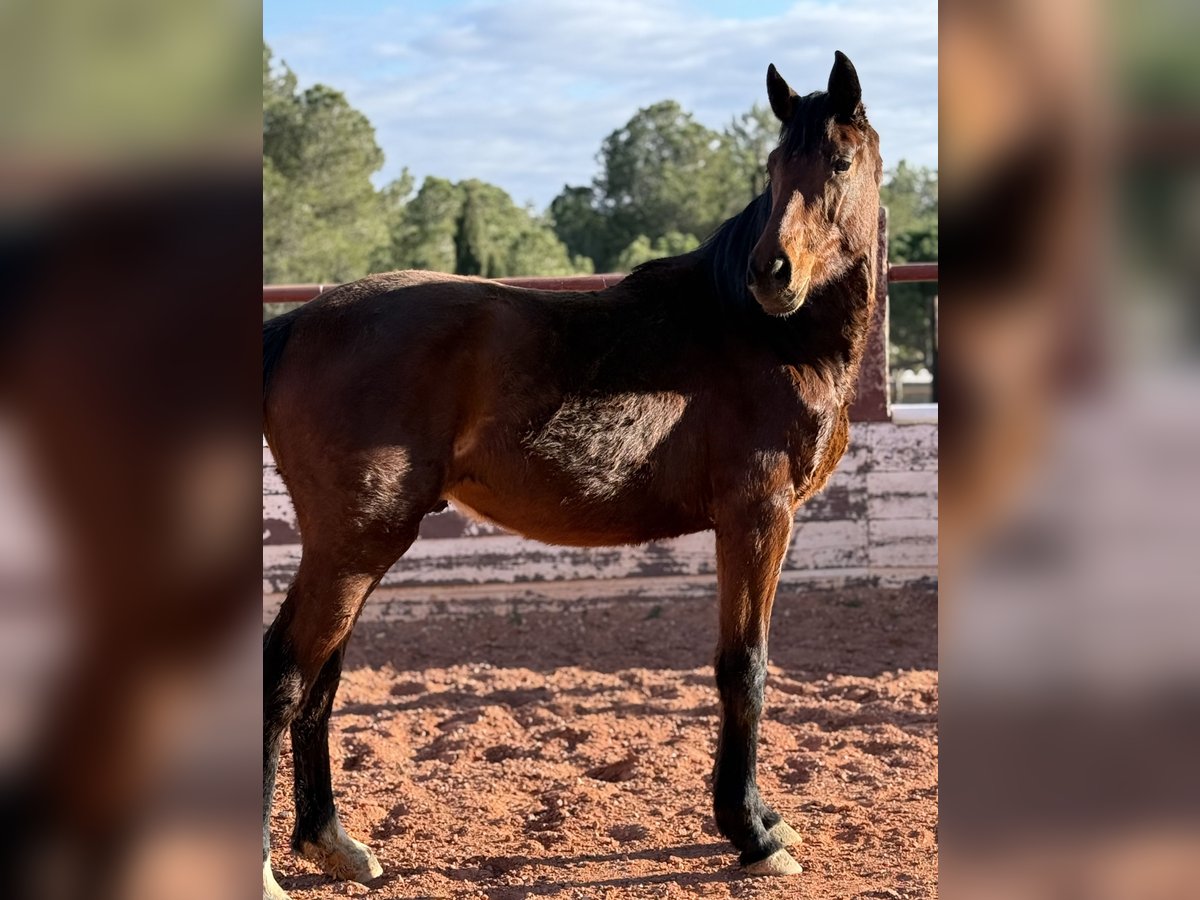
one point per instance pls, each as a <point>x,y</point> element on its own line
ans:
<point>568,754</point>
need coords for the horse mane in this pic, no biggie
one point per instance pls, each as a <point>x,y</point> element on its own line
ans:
<point>726,252</point>
<point>723,257</point>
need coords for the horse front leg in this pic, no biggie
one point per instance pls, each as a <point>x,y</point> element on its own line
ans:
<point>752,539</point>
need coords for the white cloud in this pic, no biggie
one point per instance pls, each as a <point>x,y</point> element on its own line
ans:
<point>521,93</point>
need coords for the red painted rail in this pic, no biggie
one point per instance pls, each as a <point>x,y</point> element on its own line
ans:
<point>291,293</point>
<point>898,273</point>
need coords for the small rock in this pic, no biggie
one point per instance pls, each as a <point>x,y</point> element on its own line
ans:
<point>623,770</point>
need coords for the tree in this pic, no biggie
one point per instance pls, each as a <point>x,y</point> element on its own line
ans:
<point>282,120</point>
<point>323,218</point>
<point>537,251</point>
<point>579,223</point>
<point>474,241</point>
<point>911,197</point>
<point>423,230</point>
<point>642,249</point>
<point>664,171</point>
<point>394,198</point>
<point>324,221</point>
<point>750,138</point>
<point>661,172</point>
<point>472,228</point>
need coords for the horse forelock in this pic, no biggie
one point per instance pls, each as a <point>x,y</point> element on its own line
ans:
<point>811,122</point>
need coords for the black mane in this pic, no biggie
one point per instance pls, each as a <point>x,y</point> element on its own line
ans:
<point>810,121</point>
<point>726,253</point>
<point>723,257</point>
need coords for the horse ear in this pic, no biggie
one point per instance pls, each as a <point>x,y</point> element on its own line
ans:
<point>783,98</point>
<point>845,93</point>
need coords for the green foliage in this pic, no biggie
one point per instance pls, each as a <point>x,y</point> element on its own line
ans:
<point>664,171</point>
<point>281,117</point>
<point>750,138</point>
<point>661,173</point>
<point>471,228</point>
<point>322,217</point>
<point>642,249</point>
<point>578,221</point>
<point>423,230</point>
<point>324,221</point>
<point>537,251</point>
<point>911,197</point>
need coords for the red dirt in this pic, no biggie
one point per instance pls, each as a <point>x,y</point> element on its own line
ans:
<point>567,754</point>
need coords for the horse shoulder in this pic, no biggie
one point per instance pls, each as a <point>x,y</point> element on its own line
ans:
<point>831,454</point>
<point>819,430</point>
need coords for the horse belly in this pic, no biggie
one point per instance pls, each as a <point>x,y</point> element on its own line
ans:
<point>616,470</point>
<point>576,522</point>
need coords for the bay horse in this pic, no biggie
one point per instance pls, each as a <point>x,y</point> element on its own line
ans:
<point>704,391</point>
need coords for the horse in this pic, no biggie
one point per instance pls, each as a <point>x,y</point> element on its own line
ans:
<point>708,391</point>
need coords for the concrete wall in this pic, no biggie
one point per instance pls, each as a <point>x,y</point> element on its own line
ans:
<point>876,522</point>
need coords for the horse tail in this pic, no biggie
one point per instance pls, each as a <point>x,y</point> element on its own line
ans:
<point>275,336</point>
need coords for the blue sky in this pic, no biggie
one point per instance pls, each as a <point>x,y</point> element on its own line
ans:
<point>521,92</point>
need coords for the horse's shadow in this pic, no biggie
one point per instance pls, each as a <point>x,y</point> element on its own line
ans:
<point>813,632</point>
<point>480,870</point>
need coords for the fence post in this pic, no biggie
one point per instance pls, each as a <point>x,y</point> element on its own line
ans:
<point>872,401</point>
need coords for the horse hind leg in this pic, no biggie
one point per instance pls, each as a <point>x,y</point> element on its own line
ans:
<point>312,625</point>
<point>318,834</point>
<point>302,655</point>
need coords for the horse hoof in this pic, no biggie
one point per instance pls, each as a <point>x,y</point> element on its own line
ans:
<point>785,834</point>
<point>271,888</point>
<point>778,863</point>
<point>339,855</point>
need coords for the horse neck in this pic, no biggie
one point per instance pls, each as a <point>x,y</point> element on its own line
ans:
<point>829,333</point>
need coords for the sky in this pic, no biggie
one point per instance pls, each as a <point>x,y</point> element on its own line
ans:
<point>520,93</point>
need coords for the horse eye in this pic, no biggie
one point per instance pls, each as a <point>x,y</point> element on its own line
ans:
<point>841,164</point>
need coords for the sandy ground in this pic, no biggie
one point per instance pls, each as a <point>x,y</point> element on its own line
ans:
<point>568,754</point>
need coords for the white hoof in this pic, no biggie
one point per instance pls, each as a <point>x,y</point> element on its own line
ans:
<point>339,855</point>
<point>271,888</point>
<point>778,863</point>
<point>785,833</point>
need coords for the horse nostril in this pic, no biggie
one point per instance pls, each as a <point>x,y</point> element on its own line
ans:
<point>781,270</point>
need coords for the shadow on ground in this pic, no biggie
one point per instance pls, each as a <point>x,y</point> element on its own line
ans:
<point>857,631</point>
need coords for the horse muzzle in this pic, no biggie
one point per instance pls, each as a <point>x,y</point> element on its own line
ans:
<point>780,301</point>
